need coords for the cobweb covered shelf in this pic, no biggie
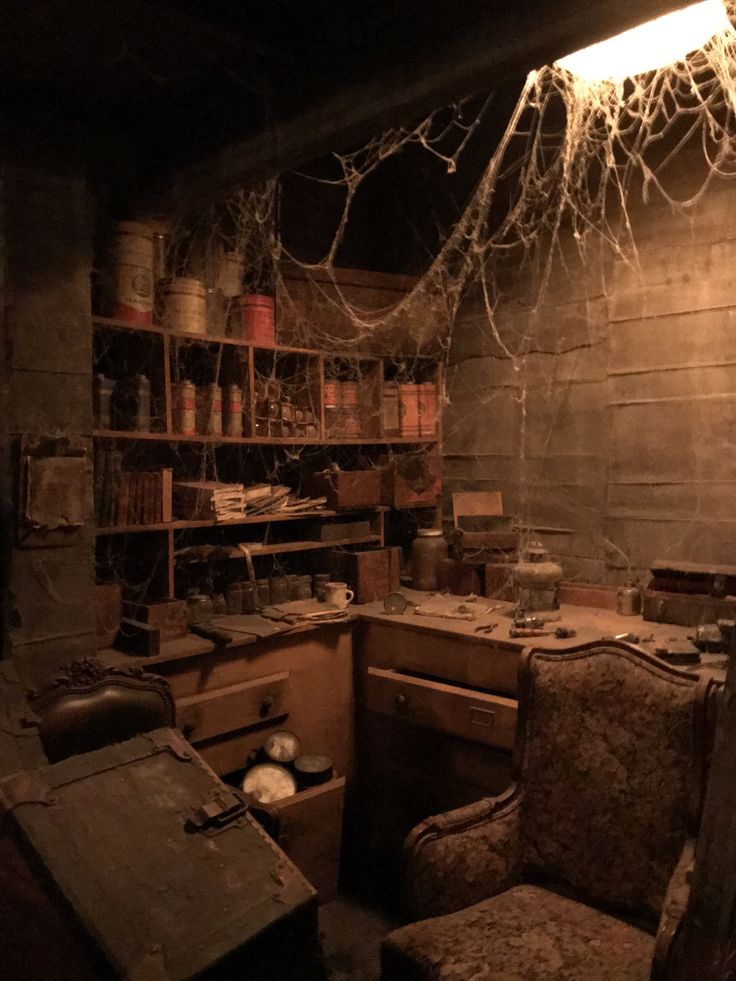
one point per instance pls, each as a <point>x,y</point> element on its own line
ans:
<point>172,405</point>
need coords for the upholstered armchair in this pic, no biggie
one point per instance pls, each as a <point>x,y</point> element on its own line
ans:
<point>579,871</point>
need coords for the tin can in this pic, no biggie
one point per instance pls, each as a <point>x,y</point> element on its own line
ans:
<point>102,398</point>
<point>131,280</point>
<point>628,600</point>
<point>209,410</point>
<point>232,421</point>
<point>142,416</point>
<point>252,318</point>
<point>185,415</point>
<point>183,305</point>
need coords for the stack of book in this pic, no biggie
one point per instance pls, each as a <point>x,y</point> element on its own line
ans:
<point>129,498</point>
<point>208,500</point>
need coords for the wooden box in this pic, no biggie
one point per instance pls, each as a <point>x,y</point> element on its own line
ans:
<point>108,612</point>
<point>138,862</point>
<point>411,478</point>
<point>337,531</point>
<point>168,616</point>
<point>371,573</point>
<point>345,488</point>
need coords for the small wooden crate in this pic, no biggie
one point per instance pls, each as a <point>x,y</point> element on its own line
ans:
<point>371,573</point>
<point>414,478</point>
<point>345,488</point>
<point>168,616</point>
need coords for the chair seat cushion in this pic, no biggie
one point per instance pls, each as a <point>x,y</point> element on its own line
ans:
<point>525,934</point>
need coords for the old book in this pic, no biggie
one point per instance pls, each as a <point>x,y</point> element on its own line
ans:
<point>123,495</point>
<point>116,469</point>
<point>166,493</point>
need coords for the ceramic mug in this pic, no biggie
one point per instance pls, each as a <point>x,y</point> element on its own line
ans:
<point>338,595</point>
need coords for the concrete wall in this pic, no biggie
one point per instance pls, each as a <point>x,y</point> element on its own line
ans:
<point>618,421</point>
<point>46,376</point>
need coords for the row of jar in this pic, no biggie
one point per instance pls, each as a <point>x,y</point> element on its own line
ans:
<point>208,411</point>
<point>249,597</point>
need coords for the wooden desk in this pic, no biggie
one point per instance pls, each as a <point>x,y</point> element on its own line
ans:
<point>228,701</point>
<point>437,711</point>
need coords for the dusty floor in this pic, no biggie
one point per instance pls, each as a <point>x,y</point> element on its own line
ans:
<point>351,938</point>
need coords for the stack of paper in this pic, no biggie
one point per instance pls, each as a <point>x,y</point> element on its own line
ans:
<point>200,500</point>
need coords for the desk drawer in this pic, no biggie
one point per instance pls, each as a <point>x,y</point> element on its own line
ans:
<point>476,716</point>
<point>250,703</point>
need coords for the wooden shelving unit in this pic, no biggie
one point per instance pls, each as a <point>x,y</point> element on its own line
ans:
<point>167,356</point>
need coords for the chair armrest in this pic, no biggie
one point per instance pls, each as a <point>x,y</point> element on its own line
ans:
<point>457,859</point>
<point>673,909</point>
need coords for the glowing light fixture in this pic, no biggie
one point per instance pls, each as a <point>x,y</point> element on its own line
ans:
<point>657,43</point>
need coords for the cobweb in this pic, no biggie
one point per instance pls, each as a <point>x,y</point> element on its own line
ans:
<point>559,186</point>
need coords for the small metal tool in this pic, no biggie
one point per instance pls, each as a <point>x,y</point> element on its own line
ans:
<point>562,633</point>
<point>528,632</point>
<point>485,628</point>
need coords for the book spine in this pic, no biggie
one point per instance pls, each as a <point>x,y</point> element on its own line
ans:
<point>123,498</point>
<point>116,471</point>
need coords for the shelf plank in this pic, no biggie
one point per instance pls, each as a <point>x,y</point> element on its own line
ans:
<point>282,548</point>
<point>111,323</point>
<point>262,440</point>
<point>248,519</point>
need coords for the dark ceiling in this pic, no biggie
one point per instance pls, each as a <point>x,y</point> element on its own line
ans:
<point>239,87</point>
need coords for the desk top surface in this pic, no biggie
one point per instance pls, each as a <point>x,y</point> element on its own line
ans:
<point>589,623</point>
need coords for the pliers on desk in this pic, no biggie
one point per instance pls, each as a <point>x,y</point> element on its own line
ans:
<point>485,628</point>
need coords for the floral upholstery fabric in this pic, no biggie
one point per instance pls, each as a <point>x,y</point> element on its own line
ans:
<point>450,869</point>
<point>606,771</point>
<point>524,934</point>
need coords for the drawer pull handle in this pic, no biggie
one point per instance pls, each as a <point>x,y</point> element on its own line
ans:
<point>482,717</point>
<point>401,702</point>
<point>266,705</point>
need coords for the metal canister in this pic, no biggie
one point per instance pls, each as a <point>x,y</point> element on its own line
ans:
<point>102,398</point>
<point>304,587</point>
<point>142,415</point>
<point>183,305</point>
<point>628,600</point>
<point>232,416</point>
<point>185,414</point>
<point>209,410</point>
<point>132,272</point>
